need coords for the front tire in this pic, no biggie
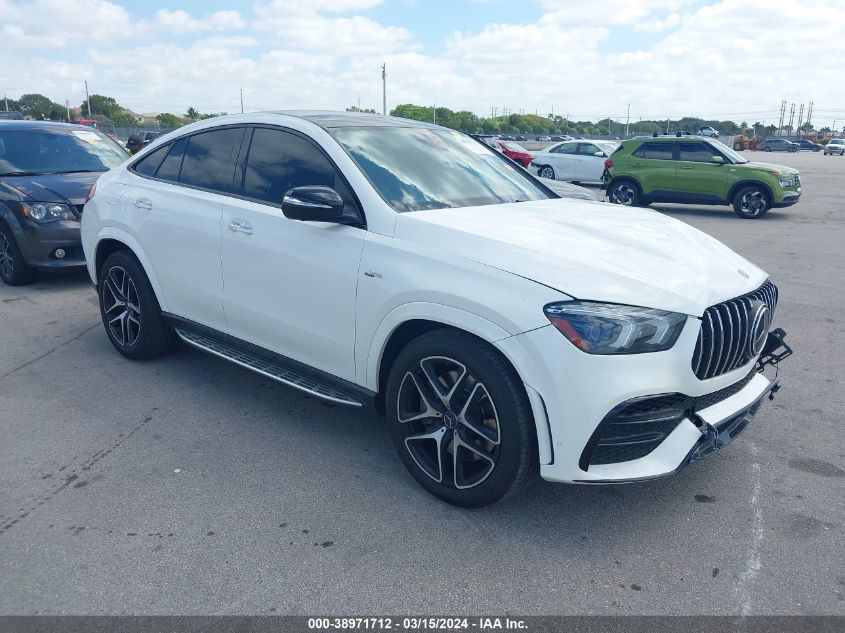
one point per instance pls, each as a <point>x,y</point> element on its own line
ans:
<point>460,419</point>
<point>751,202</point>
<point>130,311</point>
<point>625,193</point>
<point>547,172</point>
<point>14,270</point>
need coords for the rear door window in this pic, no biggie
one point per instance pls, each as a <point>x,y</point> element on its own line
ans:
<point>172,163</point>
<point>210,159</point>
<point>148,165</point>
<point>658,151</point>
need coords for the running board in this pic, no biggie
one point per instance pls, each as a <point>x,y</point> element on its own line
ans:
<point>265,367</point>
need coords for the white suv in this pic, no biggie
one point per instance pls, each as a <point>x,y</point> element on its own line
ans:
<point>378,262</point>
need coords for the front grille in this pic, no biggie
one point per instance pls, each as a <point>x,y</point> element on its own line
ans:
<point>722,344</point>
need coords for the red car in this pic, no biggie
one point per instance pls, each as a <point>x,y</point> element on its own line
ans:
<point>515,152</point>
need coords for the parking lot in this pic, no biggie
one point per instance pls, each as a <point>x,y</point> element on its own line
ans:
<point>189,485</point>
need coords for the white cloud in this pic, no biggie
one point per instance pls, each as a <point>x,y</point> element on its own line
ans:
<point>180,21</point>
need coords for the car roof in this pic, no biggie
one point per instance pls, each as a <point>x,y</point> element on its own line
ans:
<point>671,137</point>
<point>329,119</point>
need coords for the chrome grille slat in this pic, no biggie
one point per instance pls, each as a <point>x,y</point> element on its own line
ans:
<point>721,346</point>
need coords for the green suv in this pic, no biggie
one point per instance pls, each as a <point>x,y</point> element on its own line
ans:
<point>696,170</point>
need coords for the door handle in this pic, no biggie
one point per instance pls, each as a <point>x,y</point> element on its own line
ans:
<point>685,167</point>
<point>240,226</point>
<point>143,203</point>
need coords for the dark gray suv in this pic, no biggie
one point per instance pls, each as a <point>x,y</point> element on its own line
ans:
<point>46,172</point>
<point>779,145</point>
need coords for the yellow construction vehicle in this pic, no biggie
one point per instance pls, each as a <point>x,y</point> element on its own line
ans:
<point>748,140</point>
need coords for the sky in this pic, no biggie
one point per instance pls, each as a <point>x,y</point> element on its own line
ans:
<point>587,60</point>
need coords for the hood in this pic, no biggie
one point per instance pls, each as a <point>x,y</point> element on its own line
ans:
<point>593,251</point>
<point>67,188</point>
<point>771,167</point>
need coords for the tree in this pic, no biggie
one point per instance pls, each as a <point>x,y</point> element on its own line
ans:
<point>192,114</point>
<point>167,120</point>
<point>100,104</point>
<point>36,105</point>
<point>357,109</point>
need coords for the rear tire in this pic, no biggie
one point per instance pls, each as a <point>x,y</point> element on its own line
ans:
<point>767,149</point>
<point>751,202</point>
<point>130,311</point>
<point>14,270</point>
<point>624,192</point>
<point>460,419</point>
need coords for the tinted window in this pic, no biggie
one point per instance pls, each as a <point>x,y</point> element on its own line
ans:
<point>210,159</point>
<point>279,161</point>
<point>696,152</point>
<point>169,169</point>
<point>658,151</point>
<point>148,165</point>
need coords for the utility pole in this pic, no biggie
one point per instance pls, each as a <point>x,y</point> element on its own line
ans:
<point>791,118</point>
<point>384,89</point>
<point>800,116</point>
<point>810,118</point>
<point>67,105</point>
<point>87,99</point>
<point>628,120</point>
<point>434,113</point>
<point>6,99</point>
<point>242,100</point>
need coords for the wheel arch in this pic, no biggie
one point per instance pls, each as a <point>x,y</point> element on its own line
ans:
<point>112,240</point>
<point>615,180</point>
<point>748,183</point>
<point>387,347</point>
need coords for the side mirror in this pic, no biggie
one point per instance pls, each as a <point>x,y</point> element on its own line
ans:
<point>314,203</point>
<point>717,160</point>
<point>600,154</point>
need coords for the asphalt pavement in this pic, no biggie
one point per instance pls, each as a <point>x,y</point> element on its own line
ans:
<point>187,485</point>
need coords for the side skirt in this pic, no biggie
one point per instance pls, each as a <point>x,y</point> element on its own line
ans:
<point>274,366</point>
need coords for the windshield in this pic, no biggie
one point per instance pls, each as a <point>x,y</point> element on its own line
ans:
<point>56,151</point>
<point>733,156</point>
<point>420,168</point>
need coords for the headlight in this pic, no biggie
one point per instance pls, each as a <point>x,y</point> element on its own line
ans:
<point>48,212</point>
<point>786,183</point>
<point>607,328</point>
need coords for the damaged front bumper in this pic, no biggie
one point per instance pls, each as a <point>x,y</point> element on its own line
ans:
<point>696,427</point>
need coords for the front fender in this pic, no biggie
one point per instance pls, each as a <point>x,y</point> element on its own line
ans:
<point>115,233</point>
<point>368,372</point>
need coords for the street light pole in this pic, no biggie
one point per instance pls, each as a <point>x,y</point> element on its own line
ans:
<point>87,99</point>
<point>384,89</point>
<point>628,120</point>
<point>242,100</point>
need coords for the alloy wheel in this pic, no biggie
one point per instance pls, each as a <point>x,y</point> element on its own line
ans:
<point>121,306</point>
<point>450,422</point>
<point>7,264</point>
<point>753,203</point>
<point>623,194</point>
<point>547,172</point>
